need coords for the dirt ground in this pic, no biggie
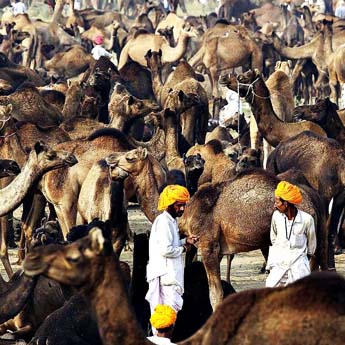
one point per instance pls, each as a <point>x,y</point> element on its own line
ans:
<point>245,266</point>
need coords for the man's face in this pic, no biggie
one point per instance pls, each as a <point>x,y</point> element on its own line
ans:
<point>178,208</point>
<point>280,204</point>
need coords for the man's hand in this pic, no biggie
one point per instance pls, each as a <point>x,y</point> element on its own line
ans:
<point>192,239</point>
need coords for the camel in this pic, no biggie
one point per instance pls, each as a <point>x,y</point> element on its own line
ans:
<point>216,56</point>
<point>155,42</point>
<point>73,99</point>
<point>217,166</point>
<point>94,270</point>
<point>225,216</point>
<point>27,104</point>
<point>252,86</point>
<point>41,159</point>
<point>324,113</point>
<point>147,175</point>
<point>194,166</point>
<point>70,63</point>
<point>194,120</point>
<point>8,167</point>
<point>336,72</point>
<point>102,196</point>
<point>54,98</point>
<point>100,282</point>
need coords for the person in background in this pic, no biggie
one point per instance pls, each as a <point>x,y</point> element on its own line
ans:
<point>18,7</point>
<point>340,10</point>
<point>98,50</point>
<point>163,320</point>
<point>293,238</point>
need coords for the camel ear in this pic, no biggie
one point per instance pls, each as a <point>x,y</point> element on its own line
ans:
<point>257,72</point>
<point>39,147</point>
<point>142,153</point>
<point>130,100</point>
<point>184,157</point>
<point>181,96</point>
<point>97,240</point>
<point>9,108</point>
<point>160,52</point>
<point>148,54</point>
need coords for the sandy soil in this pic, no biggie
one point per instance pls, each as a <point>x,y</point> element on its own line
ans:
<point>245,266</point>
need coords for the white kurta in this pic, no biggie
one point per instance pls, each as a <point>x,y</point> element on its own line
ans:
<point>99,51</point>
<point>160,340</point>
<point>165,268</point>
<point>292,241</point>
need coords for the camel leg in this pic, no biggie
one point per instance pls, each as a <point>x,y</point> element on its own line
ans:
<point>267,150</point>
<point>229,259</point>
<point>210,258</point>
<point>191,255</point>
<point>67,215</point>
<point>264,252</point>
<point>254,133</point>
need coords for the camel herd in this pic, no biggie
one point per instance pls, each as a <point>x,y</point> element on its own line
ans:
<point>82,138</point>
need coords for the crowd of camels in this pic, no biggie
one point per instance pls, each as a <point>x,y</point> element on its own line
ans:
<point>82,138</point>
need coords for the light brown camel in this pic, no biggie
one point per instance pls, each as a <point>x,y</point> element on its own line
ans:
<point>310,308</point>
<point>336,72</point>
<point>218,167</point>
<point>194,120</point>
<point>137,47</point>
<point>102,196</point>
<point>216,56</point>
<point>232,217</point>
<point>252,86</point>
<point>41,159</point>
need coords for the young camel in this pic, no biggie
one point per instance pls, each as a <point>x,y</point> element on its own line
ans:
<point>311,309</point>
<point>252,86</point>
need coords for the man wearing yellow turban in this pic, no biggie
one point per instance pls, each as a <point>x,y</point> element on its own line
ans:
<point>165,268</point>
<point>163,320</point>
<point>293,238</point>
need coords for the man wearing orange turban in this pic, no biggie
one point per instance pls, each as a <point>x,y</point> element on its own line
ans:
<point>163,320</point>
<point>165,268</point>
<point>292,236</point>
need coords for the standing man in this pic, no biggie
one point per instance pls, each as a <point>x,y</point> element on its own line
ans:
<point>293,238</point>
<point>165,267</point>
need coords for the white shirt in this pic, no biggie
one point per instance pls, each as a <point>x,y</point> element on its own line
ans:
<point>160,340</point>
<point>18,8</point>
<point>165,252</point>
<point>99,51</point>
<point>234,105</point>
<point>291,241</point>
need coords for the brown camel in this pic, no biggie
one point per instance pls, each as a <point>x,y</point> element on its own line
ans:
<point>216,55</point>
<point>253,88</point>
<point>147,176</point>
<point>194,120</point>
<point>73,100</point>
<point>95,271</point>
<point>70,63</point>
<point>27,104</point>
<point>8,167</point>
<point>336,72</point>
<point>325,114</point>
<point>218,167</point>
<point>232,217</point>
<point>102,196</point>
<point>41,159</point>
<point>156,42</point>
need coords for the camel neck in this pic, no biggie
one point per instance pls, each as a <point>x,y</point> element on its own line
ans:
<point>157,83</point>
<point>171,140</point>
<point>172,54</point>
<point>110,303</point>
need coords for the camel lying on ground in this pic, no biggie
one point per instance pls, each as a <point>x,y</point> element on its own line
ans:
<point>311,309</point>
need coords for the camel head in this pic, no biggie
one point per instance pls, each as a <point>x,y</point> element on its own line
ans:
<point>43,158</point>
<point>154,60</point>
<point>100,79</point>
<point>8,167</point>
<point>179,101</point>
<point>49,232</point>
<point>132,161</point>
<point>116,173</point>
<point>193,163</point>
<point>249,158</point>
<point>189,31</point>
<point>241,83</point>
<point>74,264</point>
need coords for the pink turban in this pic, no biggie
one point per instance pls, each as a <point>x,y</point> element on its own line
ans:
<point>98,39</point>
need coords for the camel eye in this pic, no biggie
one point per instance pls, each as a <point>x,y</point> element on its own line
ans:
<point>73,257</point>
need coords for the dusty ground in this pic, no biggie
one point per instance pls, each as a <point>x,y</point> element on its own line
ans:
<point>245,266</point>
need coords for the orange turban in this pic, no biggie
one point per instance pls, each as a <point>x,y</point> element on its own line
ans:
<point>288,192</point>
<point>171,194</point>
<point>163,317</point>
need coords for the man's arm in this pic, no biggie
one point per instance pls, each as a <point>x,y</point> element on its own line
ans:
<point>165,242</point>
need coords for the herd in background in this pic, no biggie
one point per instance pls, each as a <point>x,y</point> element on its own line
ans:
<point>86,136</point>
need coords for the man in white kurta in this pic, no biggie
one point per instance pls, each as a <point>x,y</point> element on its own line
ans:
<point>293,238</point>
<point>165,268</point>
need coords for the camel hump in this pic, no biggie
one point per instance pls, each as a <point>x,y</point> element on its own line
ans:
<point>111,132</point>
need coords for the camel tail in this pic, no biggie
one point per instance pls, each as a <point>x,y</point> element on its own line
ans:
<point>197,58</point>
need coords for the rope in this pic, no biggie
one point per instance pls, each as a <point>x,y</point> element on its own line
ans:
<point>8,135</point>
<point>3,122</point>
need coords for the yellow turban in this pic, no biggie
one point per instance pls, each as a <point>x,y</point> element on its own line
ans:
<point>163,317</point>
<point>288,192</point>
<point>171,194</point>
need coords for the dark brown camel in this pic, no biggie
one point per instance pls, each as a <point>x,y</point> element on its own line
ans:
<point>252,86</point>
<point>8,167</point>
<point>311,308</point>
<point>324,113</point>
<point>232,217</point>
